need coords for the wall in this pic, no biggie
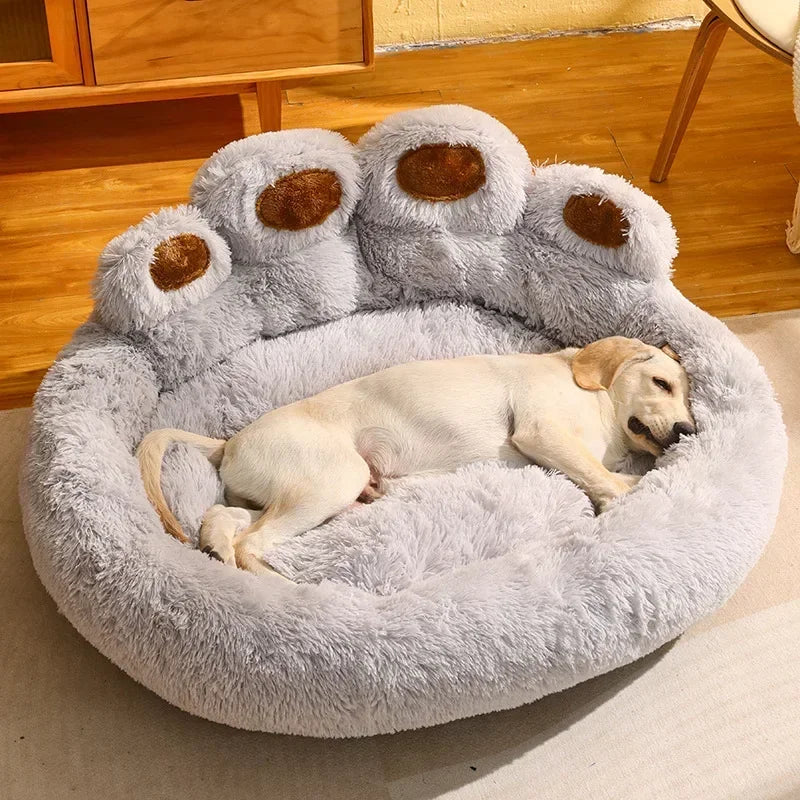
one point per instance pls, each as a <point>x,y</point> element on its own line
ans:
<point>410,21</point>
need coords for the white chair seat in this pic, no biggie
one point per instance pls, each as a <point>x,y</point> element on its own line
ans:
<point>776,20</point>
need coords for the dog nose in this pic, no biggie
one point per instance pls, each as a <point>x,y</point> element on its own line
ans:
<point>682,429</point>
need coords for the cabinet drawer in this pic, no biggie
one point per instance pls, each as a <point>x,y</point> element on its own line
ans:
<point>144,40</point>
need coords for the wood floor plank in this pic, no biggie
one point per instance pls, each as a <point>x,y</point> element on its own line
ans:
<point>354,116</point>
<point>67,201</point>
<point>71,180</point>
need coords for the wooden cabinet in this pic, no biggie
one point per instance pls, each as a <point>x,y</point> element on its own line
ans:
<point>61,53</point>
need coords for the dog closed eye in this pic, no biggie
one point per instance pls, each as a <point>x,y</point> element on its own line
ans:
<point>662,384</point>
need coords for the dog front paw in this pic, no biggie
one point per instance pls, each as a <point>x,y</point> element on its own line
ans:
<point>620,486</point>
<point>630,480</point>
<point>602,505</point>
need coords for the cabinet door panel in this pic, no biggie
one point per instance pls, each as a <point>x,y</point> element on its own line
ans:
<point>38,44</point>
<point>144,40</point>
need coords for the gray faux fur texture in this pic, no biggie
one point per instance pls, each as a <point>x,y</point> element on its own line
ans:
<point>456,594</point>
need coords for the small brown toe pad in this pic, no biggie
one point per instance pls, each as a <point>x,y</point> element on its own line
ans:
<point>596,219</point>
<point>441,172</point>
<point>300,200</point>
<point>178,261</point>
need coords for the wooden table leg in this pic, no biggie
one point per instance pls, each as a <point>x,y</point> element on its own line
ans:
<point>709,38</point>
<point>268,95</point>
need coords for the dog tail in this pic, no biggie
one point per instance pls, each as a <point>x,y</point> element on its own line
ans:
<point>150,454</point>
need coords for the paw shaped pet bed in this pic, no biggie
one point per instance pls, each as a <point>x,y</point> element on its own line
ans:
<point>305,261</point>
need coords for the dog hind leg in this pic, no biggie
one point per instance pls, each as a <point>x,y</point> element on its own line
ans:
<point>218,529</point>
<point>301,507</point>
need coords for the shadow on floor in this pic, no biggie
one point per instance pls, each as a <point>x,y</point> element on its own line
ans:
<point>452,755</point>
<point>132,133</point>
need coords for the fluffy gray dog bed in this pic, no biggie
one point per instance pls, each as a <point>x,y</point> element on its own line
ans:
<point>303,262</point>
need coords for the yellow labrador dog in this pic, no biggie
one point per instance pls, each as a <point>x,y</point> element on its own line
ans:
<point>577,411</point>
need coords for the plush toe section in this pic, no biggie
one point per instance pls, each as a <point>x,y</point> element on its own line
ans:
<point>448,166</point>
<point>601,217</point>
<point>277,193</point>
<point>170,261</point>
<point>283,202</point>
<point>443,188</point>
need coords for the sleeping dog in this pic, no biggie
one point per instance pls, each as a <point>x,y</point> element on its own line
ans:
<point>577,411</point>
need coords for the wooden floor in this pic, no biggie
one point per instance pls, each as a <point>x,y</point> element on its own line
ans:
<point>71,180</point>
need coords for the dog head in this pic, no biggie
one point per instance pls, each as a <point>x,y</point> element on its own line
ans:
<point>647,385</point>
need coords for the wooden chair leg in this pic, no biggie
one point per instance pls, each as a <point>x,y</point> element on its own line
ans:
<point>268,95</point>
<point>793,227</point>
<point>709,38</point>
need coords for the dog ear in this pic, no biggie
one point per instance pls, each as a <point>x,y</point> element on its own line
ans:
<point>596,365</point>
<point>670,352</point>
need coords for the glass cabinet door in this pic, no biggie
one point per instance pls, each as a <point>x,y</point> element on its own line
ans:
<point>38,44</point>
<point>23,31</point>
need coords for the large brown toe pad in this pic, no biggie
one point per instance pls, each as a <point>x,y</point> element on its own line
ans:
<point>597,220</point>
<point>441,172</point>
<point>178,261</point>
<point>300,200</point>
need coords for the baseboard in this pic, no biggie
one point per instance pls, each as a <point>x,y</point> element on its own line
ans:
<point>676,24</point>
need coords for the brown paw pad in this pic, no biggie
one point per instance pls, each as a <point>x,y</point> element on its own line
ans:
<point>300,200</point>
<point>441,172</point>
<point>178,261</point>
<point>597,220</point>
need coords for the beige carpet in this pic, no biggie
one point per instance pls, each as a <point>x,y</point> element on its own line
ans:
<point>716,715</point>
